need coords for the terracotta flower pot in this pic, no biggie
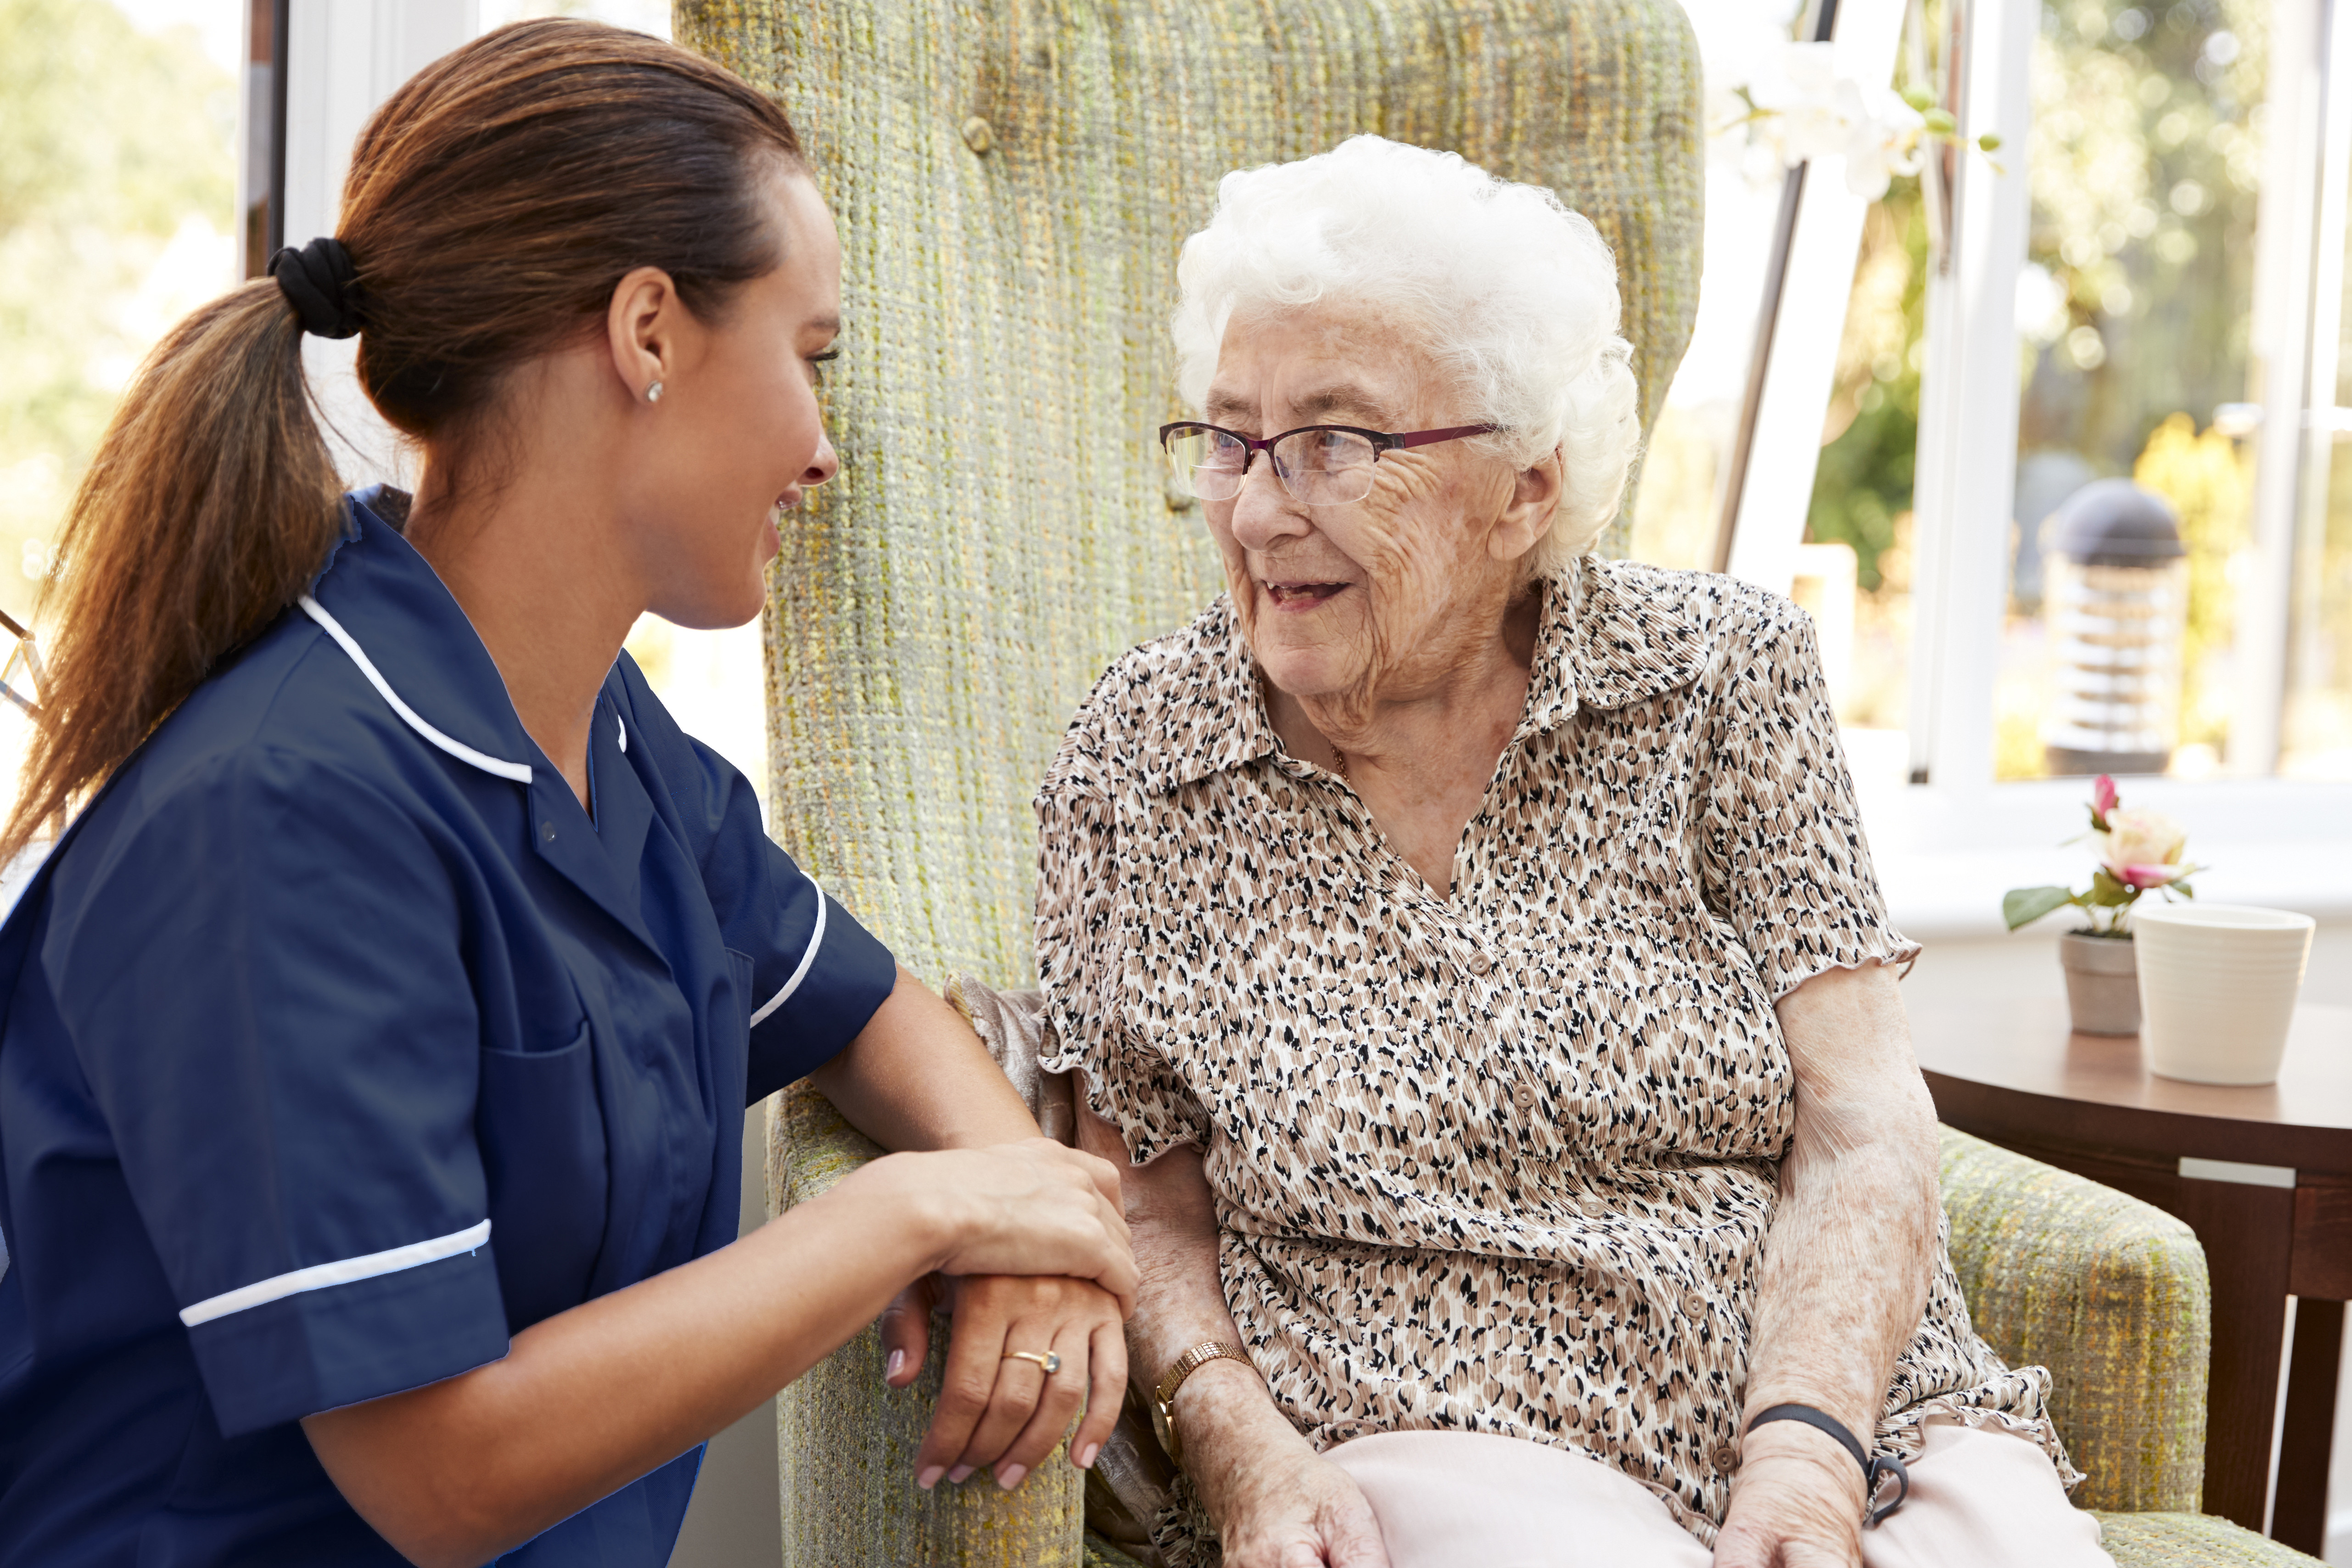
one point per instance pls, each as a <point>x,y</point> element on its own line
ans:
<point>2102,982</point>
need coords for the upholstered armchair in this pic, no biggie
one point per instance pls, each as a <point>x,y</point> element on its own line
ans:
<point>1013,180</point>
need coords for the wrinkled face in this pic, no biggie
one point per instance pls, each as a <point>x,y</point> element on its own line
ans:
<point>741,440</point>
<point>1374,598</point>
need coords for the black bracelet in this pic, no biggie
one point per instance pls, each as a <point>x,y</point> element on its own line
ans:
<point>1876,1468</point>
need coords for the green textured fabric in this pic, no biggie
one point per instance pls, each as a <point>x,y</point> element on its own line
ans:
<point>1101,1553</point>
<point>2107,1292</point>
<point>1012,182</point>
<point>2191,1540</point>
<point>846,1444</point>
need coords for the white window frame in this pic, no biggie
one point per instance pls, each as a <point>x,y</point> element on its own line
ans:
<point>1951,841</point>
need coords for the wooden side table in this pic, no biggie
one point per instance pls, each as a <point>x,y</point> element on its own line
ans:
<point>2263,1176</point>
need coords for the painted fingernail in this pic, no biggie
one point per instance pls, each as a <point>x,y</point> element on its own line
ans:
<point>1086,1460</point>
<point>930,1477</point>
<point>1010,1475</point>
<point>898,1360</point>
<point>960,1474</point>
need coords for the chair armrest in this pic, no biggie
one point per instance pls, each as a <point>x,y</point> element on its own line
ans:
<point>2111,1295</point>
<point>845,1444</point>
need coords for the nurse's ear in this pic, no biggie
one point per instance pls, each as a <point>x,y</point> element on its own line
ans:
<point>645,326</point>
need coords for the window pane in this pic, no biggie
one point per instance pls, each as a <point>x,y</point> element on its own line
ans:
<point>2316,738</point>
<point>118,217</point>
<point>1853,573</point>
<point>2132,315</point>
<point>1683,468</point>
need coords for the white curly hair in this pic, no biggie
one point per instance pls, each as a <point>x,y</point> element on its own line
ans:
<point>1514,294</point>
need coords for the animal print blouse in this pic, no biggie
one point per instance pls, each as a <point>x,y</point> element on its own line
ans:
<point>1501,1162</point>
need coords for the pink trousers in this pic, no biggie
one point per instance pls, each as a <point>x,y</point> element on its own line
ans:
<point>1979,1499</point>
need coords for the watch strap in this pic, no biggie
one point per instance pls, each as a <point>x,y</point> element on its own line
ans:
<point>1192,1361</point>
<point>1182,1367</point>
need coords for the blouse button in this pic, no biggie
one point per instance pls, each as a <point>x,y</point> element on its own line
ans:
<point>547,831</point>
<point>1525,1094</point>
<point>1695,1303</point>
<point>1727,1459</point>
<point>1480,963</point>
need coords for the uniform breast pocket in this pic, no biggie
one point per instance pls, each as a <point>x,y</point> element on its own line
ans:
<point>540,1124</point>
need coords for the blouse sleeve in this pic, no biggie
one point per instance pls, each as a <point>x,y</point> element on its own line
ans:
<point>1781,851</point>
<point>1132,1083</point>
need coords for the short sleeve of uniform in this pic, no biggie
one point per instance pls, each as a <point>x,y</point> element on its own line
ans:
<point>1781,846</point>
<point>817,975</point>
<point>1131,1082</point>
<point>266,984</point>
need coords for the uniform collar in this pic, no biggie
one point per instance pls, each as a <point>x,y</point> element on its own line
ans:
<point>1606,637</point>
<point>390,611</point>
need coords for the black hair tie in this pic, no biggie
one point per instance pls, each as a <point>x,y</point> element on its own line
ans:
<point>318,280</point>
<point>1876,1468</point>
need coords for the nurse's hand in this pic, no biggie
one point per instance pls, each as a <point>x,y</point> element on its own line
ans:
<point>997,1410</point>
<point>1031,1207</point>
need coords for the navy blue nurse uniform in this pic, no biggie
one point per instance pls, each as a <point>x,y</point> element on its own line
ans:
<point>341,1044</point>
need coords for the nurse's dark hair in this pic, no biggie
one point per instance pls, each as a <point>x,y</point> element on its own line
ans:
<point>493,203</point>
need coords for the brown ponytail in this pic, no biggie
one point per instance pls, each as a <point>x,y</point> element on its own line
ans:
<point>493,203</point>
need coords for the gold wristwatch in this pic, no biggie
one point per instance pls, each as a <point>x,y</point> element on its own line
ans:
<point>1185,1365</point>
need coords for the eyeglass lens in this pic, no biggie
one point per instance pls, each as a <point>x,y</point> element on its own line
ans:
<point>1319,466</point>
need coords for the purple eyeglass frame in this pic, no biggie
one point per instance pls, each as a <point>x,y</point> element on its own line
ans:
<point>1381,440</point>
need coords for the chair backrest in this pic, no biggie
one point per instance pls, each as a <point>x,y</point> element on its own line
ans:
<point>1013,179</point>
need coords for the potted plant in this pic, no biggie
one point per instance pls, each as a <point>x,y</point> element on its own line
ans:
<point>2138,852</point>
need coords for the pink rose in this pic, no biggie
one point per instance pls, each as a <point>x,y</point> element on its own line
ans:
<point>2102,796</point>
<point>2141,849</point>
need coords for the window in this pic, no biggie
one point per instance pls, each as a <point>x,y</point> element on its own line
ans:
<point>2133,309</point>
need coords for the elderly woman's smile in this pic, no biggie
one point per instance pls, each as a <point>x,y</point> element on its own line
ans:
<point>1298,597</point>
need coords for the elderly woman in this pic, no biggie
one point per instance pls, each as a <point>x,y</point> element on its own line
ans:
<point>1471,945</point>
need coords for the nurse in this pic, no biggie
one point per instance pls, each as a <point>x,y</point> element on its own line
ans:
<point>377,1037</point>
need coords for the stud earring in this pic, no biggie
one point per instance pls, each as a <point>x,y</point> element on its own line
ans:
<point>653,393</point>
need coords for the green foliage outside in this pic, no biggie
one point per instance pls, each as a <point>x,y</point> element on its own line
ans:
<point>110,141</point>
<point>1862,485</point>
<point>2210,483</point>
<point>2144,165</point>
<point>2145,168</point>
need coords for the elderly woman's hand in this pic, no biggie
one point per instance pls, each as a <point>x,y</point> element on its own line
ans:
<point>1797,1503</point>
<point>1277,1503</point>
<point>994,1408</point>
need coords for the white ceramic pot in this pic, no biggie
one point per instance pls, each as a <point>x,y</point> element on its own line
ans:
<point>2216,988</point>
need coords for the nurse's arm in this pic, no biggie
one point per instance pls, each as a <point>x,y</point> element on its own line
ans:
<point>916,1078</point>
<point>459,1471</point>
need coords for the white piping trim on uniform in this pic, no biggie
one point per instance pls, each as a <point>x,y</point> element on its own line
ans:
<point>390,1261</point>
<point>816,939</point>
<point>519,772</point>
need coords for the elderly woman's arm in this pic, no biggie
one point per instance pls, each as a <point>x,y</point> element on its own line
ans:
<point>1274,1499</point>
<point>1846,1269</point>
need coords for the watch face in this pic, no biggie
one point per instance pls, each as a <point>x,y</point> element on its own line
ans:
<point>1162,1430</point>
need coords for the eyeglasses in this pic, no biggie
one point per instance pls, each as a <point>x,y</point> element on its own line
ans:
<point>1322,465</point>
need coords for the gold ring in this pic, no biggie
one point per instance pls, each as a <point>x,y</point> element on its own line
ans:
<point>1047,1362</point>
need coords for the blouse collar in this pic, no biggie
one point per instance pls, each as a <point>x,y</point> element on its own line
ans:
<point>1610,634</point>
